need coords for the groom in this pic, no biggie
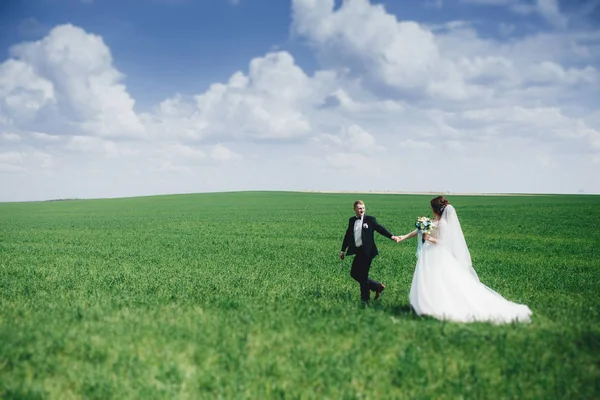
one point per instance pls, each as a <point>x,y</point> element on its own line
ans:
<point>359,241</point>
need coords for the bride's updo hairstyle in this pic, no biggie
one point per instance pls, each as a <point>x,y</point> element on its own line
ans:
<point>438,204</point>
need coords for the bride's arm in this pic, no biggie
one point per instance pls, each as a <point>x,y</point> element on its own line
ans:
<point>408,236</point>
<point>430,238</point>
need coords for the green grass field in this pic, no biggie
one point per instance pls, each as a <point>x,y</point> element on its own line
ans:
<point>243,296</point>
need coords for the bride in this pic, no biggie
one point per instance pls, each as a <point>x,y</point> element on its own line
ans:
<point>445,285</point>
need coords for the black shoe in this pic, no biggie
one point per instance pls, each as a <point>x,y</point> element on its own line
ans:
<point>379,290</point>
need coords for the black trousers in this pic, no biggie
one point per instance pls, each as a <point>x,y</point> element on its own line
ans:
<point>360,273</point>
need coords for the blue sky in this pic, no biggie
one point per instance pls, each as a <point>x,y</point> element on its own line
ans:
<point>197,95</point>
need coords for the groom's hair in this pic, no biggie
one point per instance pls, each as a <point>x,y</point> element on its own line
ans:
<point>357,202</point>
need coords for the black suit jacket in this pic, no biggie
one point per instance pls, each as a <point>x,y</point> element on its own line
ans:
<point>368,248</point>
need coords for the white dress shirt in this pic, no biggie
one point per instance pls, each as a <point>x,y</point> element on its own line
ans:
<point>358,232</point>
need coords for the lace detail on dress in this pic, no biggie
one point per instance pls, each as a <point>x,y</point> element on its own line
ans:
<point>435,231</point>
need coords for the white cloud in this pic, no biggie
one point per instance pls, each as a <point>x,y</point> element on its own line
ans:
<point>11,162</point>
<point>66,81</point>
<point>44,137</point>
<point>189,152</point>
<point>352,139</point>
<point>265,104</point>
<point>341,101</point>
<point>552,73</point>
<point>416,144</point>
<point>222,153</point>
<point>8,168</point>
<point>347,160</point>
<point>22,91</point>
<point>168,166</point>
<point>9,137</point>
<point>455,145</point>
<point>44,160</point>
<point>401,54</point>
<point>11,158</point>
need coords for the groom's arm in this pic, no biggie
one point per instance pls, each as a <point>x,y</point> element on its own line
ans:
<point>346,241</point>
<point>382,231</point>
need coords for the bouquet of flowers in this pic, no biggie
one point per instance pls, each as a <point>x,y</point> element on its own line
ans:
<point>423,224</point>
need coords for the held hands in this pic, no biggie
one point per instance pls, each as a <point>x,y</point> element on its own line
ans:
<point>396,239</point>
<point>402,238</point>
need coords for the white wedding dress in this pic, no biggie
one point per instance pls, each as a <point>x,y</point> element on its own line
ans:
<point>446,286</point>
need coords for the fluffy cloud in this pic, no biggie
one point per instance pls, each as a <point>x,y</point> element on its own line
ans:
<point>66,84</point>
<point>9,137</point>
<point>352,139</point>
<point>267,103</point>
<point>455,64</point>
<point>12,158</point>
<point>22,91</point>
<point>222,153</point>
<point>373,42</point>
<point>14,161</point>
